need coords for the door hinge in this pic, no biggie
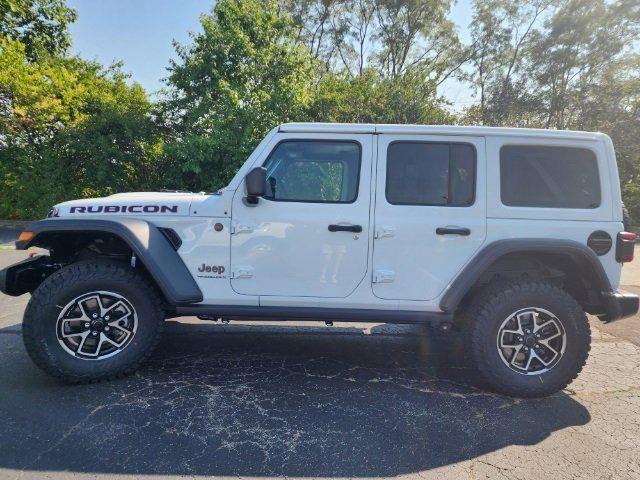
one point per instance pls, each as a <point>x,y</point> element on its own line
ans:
<point>382,232</point>
<point>383,276</point>
<point>242,272</point>
<point>240,228</point>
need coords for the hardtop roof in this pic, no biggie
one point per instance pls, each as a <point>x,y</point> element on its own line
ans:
<point>363,128</point>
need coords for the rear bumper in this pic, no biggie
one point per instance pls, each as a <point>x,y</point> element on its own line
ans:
<point>619,305</point>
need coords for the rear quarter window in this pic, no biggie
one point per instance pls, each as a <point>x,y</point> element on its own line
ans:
<point>549,177</point>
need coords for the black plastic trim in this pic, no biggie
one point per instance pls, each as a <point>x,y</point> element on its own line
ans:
<point>315,314</point>
<point>3,281</point>
<point>26,275</point>
<point>345,228</point>
<point>172,236</point>
<point>145,240</point>
<point>453,231</point>
<point>619,305</point>
<point>483,259</point>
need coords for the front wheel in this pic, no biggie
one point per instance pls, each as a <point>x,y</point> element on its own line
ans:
<point>528,339</point>
<point>92,321</point>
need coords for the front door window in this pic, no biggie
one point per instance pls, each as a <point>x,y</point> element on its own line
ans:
<point>313,171</point>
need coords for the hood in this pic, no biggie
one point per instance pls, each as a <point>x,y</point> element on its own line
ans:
<point>130,204</point>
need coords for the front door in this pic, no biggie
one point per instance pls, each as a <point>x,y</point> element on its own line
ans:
<point>430,213</point>
<point>308,236</point>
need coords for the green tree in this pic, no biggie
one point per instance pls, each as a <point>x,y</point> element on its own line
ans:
<point>69,129</point>
<point>40,25</point>
<point>580,42</point>
<point>371,97</point>
<point>243,74</point>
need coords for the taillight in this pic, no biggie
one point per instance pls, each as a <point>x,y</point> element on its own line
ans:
<point>624,246</point>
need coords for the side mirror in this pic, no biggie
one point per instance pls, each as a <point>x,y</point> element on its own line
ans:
<point>256,184</point>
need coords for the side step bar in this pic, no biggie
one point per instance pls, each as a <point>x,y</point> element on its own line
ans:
<point>244,312</point>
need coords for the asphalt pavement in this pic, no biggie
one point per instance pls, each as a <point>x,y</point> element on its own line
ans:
<point>309,401</point>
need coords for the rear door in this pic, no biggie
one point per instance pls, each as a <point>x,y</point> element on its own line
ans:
<point>430,212</point>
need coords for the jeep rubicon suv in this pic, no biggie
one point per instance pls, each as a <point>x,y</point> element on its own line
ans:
<point>507,235</point>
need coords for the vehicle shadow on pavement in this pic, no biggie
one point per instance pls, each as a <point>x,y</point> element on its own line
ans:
<point>266,402</point>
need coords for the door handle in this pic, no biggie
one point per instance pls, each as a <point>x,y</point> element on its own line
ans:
<point>345,228</point>
<point>453,231</point>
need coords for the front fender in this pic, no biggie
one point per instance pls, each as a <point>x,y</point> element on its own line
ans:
<point>146,241</point>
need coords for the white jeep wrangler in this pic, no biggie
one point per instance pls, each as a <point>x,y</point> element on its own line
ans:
<point>507,235</point>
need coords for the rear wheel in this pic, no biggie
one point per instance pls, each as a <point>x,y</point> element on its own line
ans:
<point>92,321</point>
<point>528,339</point>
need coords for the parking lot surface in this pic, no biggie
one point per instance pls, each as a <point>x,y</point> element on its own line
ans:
<point>309,401</point>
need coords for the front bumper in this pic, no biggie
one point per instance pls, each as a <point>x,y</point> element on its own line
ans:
<point>25,276</point>
<point>619,305</point>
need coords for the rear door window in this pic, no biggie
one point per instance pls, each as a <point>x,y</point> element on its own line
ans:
<point>430,173</point>
<point>549,177</point>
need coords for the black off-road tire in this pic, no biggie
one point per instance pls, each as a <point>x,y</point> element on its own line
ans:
<point>40,319</point>
<point>496,303</point>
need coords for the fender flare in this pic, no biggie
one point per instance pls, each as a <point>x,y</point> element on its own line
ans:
<point>146,241</point>
<point>579,253</point>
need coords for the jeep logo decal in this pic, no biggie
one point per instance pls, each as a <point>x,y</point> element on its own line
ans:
<point>214,271</point>
<point>126,209</point>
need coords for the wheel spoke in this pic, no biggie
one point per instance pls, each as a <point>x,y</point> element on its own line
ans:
<point>540,327</point>
<point>545,344</point>
<point>81,344</point>
<point>529,354</point>
<point>508,345</point>
<point>82,303</point>
<point>519,320</point>
<point>85,315</point>
<point>104,338</point>
<point>516,352</point>
<point>73,334</point>
<point>514,332</point>
<point>101,305</point>
<point>551,337</point>
<point>534,354</point>
<point>96,351</point>
<point>116,305</point>
<point>122,329</point>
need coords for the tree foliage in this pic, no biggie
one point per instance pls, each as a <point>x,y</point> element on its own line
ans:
<point>241,76</point>
<point>71,128</point>
<point>563,65</point>
<point>40,25</point>
<point>373,98</point>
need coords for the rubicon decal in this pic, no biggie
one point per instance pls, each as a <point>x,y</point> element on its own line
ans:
<point>125,209</point>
